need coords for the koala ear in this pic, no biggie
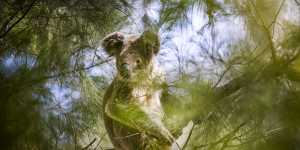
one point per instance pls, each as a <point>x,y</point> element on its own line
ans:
<point>113,43</point>
<point>151,41</point>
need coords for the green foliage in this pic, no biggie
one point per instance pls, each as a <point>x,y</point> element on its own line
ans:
<point>254,103</point>
<point>177,12</point>
<point>44,44</point>
<point>251,103</point>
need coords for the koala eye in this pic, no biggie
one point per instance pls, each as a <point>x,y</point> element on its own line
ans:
<point>138,61</point>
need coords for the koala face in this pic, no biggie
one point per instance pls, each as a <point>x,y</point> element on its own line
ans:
<point>133,54</point>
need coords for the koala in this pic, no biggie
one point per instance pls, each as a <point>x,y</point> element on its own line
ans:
<point>132,110</point>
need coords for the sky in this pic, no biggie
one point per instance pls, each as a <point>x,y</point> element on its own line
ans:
<point>178,41</point>
<point>181,41</point>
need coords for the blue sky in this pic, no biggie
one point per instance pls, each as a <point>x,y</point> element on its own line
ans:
<point>183,42</point>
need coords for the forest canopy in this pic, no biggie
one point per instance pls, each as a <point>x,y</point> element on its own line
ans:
<point>236,61</point>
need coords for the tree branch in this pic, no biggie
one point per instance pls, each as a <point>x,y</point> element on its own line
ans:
<point>15,23</point>
<point>90,144</point>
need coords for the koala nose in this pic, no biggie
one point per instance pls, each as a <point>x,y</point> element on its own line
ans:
<point>124,70</point>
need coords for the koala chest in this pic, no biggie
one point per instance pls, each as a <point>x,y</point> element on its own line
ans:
<point>148,100</point>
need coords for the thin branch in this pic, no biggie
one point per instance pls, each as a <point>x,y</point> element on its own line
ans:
<point>266,28</point>
<point>4,26</point>
<point>277,13</point>
<point>101,139</point>
<point>74,71</point>
<point>227,136</point>
<point>127,136</point>
<point>42,79</point>
<point>189,137</point>
<point>15,23</point>
<point>90,144</point>
<point>222,76</point>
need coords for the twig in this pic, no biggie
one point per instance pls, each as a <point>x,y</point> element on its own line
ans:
<point>266,28</point>
<point>224,137</point>
<point>222,76</point>
<point>90,144</point>
<point>127,136</point>
<point>15,23</point>
<point>101,138</point>
<point>41,79</point>
<point>189,136</point>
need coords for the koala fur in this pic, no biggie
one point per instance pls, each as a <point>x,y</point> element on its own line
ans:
<point>133,114</point>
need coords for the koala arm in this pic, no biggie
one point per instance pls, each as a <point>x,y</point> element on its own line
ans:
<point>131,115</point>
